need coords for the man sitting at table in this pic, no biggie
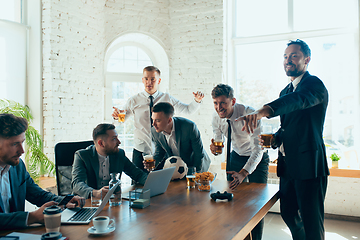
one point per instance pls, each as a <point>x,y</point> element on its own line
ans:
<point>16,185</point>
<point>176,136</point>
<point>92,166</point>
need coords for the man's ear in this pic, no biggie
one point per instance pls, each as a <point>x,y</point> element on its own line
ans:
<point>170,120</point>
<point>100,142</point>
<point>307,60</point>
<point>233,101</point>
<point>159,80</point>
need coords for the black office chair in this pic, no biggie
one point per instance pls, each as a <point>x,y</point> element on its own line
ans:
<point>64,158</point>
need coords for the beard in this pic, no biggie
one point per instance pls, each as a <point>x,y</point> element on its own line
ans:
<point>111,151</point>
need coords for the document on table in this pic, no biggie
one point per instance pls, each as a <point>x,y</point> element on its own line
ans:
<point>28,236</point>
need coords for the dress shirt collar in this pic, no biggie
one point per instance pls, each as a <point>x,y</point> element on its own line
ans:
<point>297,80</point>
<point>154,95</point>
<point>4,169</point>
<point>172,133</point>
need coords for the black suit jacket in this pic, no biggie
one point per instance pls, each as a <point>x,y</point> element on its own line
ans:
<point>188,142</point>
<point>302,115</point>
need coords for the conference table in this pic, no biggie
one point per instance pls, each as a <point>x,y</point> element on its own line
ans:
<point>182,213</point>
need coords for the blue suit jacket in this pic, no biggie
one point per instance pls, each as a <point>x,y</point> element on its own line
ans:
<point>188,142</point>
<point>22,187</point>
<point>302,115</point>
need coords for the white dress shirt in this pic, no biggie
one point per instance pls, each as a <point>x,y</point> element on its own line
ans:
<point>138,106</point>
<point>171,140</point>
<point>294,83</point>
<point>243,144</point>
<point>5,187</point>
<point>104,170</point>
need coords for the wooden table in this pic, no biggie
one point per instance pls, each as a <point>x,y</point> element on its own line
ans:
<point>180,213</point>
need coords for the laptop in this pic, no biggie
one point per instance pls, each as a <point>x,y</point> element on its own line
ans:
<point>84,215</point>
<point>157,181</point>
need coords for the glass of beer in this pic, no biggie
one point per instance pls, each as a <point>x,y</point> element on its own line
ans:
<point>190,177</point>
<point>266,136</point>
<point>150,162</point>
<point>121,117</point>
<point>219,144</point>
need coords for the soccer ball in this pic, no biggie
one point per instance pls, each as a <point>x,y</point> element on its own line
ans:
<point>181,167</point>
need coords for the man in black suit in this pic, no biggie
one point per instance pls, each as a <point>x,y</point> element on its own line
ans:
<point>176,136</point>
<point>302,165</point>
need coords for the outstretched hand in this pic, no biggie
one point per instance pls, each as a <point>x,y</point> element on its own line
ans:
<point>238,178</point>
<point>251,120</point>
<point>116,113</point>
<point>198,96</point>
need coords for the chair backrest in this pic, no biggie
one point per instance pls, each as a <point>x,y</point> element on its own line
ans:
<point>64,158</point>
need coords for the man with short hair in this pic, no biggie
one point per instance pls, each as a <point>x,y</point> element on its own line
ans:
<point>247,159</point>
<point>16,185</point>
<point>93,165</point>
<point>302,165</point>
<point>140,106</point>
<point>177,136</point>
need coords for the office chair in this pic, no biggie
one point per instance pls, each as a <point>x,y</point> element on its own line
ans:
<point>64,158</point>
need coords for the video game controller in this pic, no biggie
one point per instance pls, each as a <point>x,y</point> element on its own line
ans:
<point>222,196</point>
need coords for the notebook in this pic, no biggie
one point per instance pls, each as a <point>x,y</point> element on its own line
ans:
<point>84,215</point>
<point>157,181</point>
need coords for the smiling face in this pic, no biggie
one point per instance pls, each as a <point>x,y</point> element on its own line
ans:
<point>161,122</point>
<point>295,63</point>
<point>224,106</point>
<point>11,149</point>
<point>151,81</point>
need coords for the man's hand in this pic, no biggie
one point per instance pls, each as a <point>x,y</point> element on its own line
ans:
<point>198,96</point>
<point>116,113</point>
<point>213,147</point>
<point>238,178</point>
<point>250,120</point>
<point>101,192</point>
<point>76,201</point>
<point>38,216</point>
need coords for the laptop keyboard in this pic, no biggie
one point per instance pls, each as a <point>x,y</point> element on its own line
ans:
<point>83,215</point>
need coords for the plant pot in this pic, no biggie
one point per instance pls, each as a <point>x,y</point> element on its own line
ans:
<point>335,164</point>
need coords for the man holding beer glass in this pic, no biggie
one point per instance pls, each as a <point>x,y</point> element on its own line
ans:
<point>302,165</point>
<point>247,159</point>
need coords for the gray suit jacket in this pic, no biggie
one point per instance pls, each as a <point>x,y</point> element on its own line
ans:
<point>22,187</point>
<point>85,171</point>
<point>188,142</point>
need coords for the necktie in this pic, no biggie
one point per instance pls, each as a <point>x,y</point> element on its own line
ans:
<point>291,88</point>
<point>151,106</point>
<point>228,146</point>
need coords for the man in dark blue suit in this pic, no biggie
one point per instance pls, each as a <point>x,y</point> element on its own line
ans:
<point>302,165</point>
<point>16,185</point>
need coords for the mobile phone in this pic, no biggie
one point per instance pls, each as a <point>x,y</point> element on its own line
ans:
<point>66,199</point>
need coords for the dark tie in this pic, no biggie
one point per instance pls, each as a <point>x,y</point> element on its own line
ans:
<point>291,88</point>
<point>151,106</point>
<point>228,146</point>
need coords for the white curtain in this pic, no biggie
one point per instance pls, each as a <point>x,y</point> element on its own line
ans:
<point>13,61</point>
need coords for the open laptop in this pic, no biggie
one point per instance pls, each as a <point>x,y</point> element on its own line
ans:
<point>157,181</point>
<point>84,215</point>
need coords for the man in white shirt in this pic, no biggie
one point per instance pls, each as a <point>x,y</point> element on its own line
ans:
<point>16,185</point>
<point>177,136</point>
<point>139,106</point>
<point>247,159</point>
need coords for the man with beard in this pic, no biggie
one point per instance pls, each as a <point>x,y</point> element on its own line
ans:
<point>16,185</point>
<point>302,165</point>
<point>140,106</point>
<point>93,165</point>
<point>246,160</point>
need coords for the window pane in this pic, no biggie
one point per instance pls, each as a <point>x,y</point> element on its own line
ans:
<point>255,17</point>
<point>10,10</point>
<point>321,14</point>
<point>128,59</point>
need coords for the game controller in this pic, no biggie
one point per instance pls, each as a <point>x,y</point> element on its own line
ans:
<point>221,196</point>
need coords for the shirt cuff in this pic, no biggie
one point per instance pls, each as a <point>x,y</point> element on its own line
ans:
<point>26,219</point>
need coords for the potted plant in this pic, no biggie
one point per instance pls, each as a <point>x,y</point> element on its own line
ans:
<point>36,161</point>
<point>335,159</point>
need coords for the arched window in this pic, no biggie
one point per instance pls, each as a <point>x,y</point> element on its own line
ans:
<point>125,60</point>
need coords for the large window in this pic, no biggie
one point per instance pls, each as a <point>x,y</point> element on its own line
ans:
<point>258,35</point>
<point>13,40</point>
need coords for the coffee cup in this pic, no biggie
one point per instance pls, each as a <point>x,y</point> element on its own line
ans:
<point>102,223</point>
<point>52,218</point>
<point>51,236</point>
